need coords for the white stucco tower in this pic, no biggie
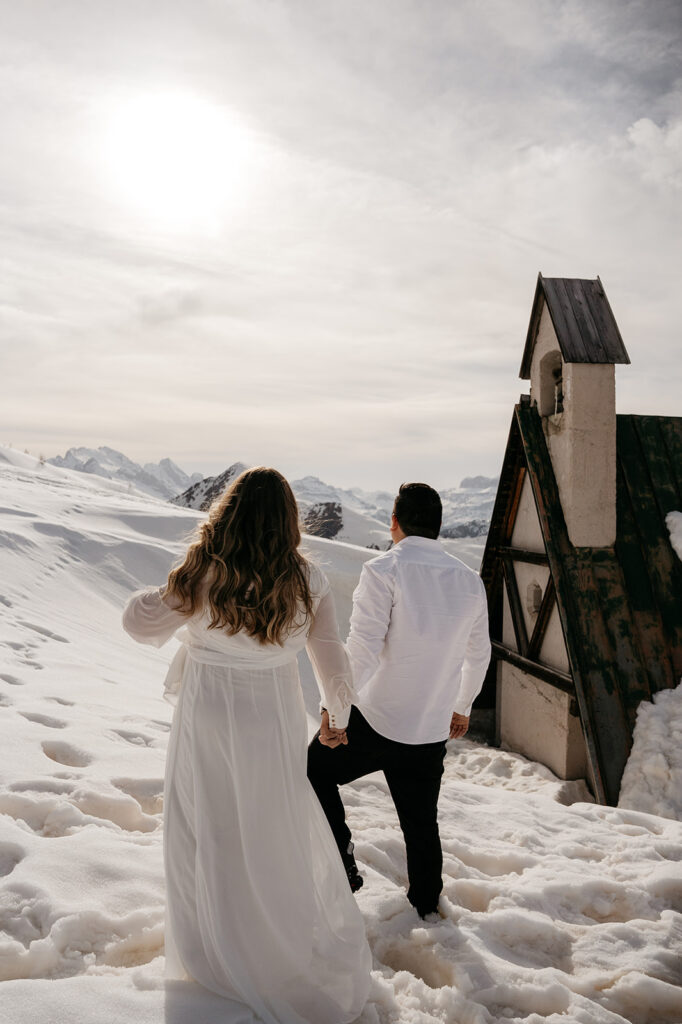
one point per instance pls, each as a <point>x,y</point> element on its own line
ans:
<point>571,350</point>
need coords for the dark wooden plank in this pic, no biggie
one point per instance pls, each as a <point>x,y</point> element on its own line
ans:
<point>645,620</point>
<point>599,673</point>
<point>521,555</point>
<point>663,473</point>
<point>561,680</point>
<point>518,621</point>
<point>532,332</point>
<point>540,628</point>
<point>671,432</point>
<point>512,513</point>
<point>594,345</point>
<point>632,678</point>
<point>605,321</point>
<point>572,345</point>
<point>637,458</point>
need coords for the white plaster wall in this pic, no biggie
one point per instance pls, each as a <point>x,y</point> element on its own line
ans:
<point>526,575</point>
<point>553,651</point>
<point>545,342</point>
<point>527,533</point>
<point>534,719</point>
<point>582,445</point>
<point>582,442</point>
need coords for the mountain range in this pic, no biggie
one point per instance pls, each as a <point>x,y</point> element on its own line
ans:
<point>352,515</point>
<point>162,479</point>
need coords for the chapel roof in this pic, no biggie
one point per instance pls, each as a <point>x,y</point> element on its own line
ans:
<point>585,326</point>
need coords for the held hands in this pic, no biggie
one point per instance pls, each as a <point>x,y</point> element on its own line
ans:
<point>331,737</point>
<point>458,726</point>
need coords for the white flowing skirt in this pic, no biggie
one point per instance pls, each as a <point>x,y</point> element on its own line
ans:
<point>258,905</point>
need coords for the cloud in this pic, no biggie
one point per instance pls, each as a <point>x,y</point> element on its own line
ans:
<point>364,302</point>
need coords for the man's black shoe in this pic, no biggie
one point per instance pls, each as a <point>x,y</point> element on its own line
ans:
<point>355,879</point>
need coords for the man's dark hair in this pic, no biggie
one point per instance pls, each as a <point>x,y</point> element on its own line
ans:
<point>418,510</point>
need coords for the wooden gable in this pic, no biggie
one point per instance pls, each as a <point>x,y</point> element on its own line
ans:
<point>620,608</point>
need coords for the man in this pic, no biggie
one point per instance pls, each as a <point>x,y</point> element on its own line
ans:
<point>419,649</point>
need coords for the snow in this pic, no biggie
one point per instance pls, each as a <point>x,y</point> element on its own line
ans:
<point>555,911</point>
<point>673,521</point>
<point>652,780</point>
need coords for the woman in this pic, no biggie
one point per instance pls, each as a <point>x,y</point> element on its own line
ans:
<point>258,904</point>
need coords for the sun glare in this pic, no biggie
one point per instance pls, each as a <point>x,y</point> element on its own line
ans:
<point>177,159</point>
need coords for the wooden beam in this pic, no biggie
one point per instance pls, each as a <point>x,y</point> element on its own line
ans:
<point>553,676</point>
<point>518,620</point>
<point>521,555</point>
<point>514,505</point>
<point>606,731</point>
<point>540,628</point>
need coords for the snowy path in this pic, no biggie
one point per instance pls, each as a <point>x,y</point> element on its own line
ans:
<point>554,913</point>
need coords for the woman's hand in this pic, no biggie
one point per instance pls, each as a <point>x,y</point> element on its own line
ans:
<point>331,737</point>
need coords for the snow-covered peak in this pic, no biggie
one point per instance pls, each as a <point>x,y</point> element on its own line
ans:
<point>204,492</point>
<point>161,480</point>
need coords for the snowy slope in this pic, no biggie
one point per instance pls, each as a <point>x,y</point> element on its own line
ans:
<point>553,913</point>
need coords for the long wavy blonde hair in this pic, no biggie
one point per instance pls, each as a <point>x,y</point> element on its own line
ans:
<point>247,553</point>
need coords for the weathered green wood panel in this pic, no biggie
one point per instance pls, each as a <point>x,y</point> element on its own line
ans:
<point>648,482</point>
<point>634,684</point>
<point>671,432</point>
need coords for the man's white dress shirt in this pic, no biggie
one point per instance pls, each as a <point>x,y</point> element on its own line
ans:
<point>418,643</point>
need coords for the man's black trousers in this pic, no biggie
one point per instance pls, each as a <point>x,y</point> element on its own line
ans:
<point>413,773</point>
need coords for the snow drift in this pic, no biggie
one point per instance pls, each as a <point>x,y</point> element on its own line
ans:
<point>555,911</point>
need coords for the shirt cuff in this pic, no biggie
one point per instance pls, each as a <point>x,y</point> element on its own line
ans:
<point>340,719</point>
<point>462,709</point>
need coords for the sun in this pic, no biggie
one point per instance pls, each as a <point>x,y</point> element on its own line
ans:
<point>176,158</point>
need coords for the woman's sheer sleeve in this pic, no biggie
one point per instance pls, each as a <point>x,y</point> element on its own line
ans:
<point>149,620</point>
<point>330,663</point>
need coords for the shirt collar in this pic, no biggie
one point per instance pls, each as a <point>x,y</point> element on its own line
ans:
<point>412,541</point>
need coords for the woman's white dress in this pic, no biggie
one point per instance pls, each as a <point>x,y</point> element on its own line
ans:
<point>258,904</point>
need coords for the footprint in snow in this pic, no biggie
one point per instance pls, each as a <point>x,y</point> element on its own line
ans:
<point>5,701</point>
<point>62,701</point>
<point>421,962</point>
<point>156,723</point>
<point>51,723</point>
<point>42,631</point>
<point>6,601</point>
<point>65,753</point>
<point>138,739</point>
<point>10,856</point>
<point>12,680</point>
<point>44,785</point>
<point>147,792</point>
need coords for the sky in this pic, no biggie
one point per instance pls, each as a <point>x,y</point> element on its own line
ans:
<point>307,233</point>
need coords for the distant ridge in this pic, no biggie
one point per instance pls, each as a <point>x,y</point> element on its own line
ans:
<point>353,515</point>
<point>160,479</point>
<point>203,493</point>
<point>357,516</point>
